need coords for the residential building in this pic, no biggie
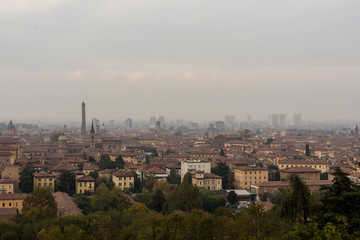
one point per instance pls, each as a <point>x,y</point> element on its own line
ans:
<point>245,176</point>
<point>12,200</point>
<point>192,166</point>
<point>7,186</point>
<point>85,184</point>
<point>207,180</point>
<point>304,173</point>
<point>123,179</point>
<point>44,180</point>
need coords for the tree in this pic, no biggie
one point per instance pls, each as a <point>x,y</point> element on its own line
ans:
<point>187,178</point>
<point>119,162</point>
<point>210,200</point>
<point>186,197</point>
<point>341,199</point>
<point>174,178</point>
<point>137,183</point>
<point>307,150</point>
<point>105,200</point>
<point>105,162</point>
<point>222,170</point>
<point>40,205</point>
<point>295,201</point>
<point>157,201</point>
<point>104,180</point>
<point>66,183</point>
<point>26,180</point>
<point>94,174</point>
<point>222,153</point>
<point>232,197</point>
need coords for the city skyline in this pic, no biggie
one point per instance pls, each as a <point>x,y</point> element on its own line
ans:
<point>226,57</point>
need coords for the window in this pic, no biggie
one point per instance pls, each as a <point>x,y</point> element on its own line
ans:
<point>39,184</point>
<point>3,204</point>
<point>81,184</point>
<point>120,184</point>
<point>90,185</point>
<point>124,184</point>
<point>45,185</point>
<point>16,204</point>
<point>50,179</point>
<point>50,184</point>
<point>10,204</point>
<point>80,191</point>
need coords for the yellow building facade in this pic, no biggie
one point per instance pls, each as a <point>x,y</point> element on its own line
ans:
<point>245,176</point>
<point>12,200</point>
<point>323,166</point>
<point>85,184</point>
<point>123,179</point>
<point>44,180</point>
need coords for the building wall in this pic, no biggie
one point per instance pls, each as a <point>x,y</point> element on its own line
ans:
<point>194,165</point>
<point>123,182</point>
<point>82,187</point>
<point>6,188</point>
<point>244,178</point>
<point>44,182</point>
<point>319,166</point>
<point>12,204</point>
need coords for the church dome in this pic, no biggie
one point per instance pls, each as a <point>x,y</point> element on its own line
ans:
<point>62,137</point>
<point>10,126</point>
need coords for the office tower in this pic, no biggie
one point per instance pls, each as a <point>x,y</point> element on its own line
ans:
<point>282,120</point>
<point>128,123</point>
<point>153,122</point>
<point>229,121</point>
<point>220,125</point>
<point>162,121</point>
<point>249,118</point>
<point>297,119</point>
<point>95,121</point>
<point>273,120</point>
<point>83,123</point>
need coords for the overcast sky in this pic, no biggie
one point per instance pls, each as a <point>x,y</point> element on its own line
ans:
<point>190,59</point>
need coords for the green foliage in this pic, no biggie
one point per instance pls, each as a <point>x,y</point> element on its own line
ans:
<point>105,200</point>
<point>186,197</point>
<point>174,178</point>
<point>105,162</point>
<point>119,162</point>
<point>187,178</point>
<point>210,200</point>
<point>66,183</point>
<point>341,199</point>
<point>40,205</point>
<point>104,180</point>
<point>232,197</point>
<point>94,174</point>
<point>222,170</point>
<point>295,201</point>
<point>157,201</point>
<point>83,202</point>
<point>149,182</point>
<point>26,180</point>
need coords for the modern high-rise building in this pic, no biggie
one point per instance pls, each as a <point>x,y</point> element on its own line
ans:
<point>83,122</point>
<point>162,121</point>
<point>229,121</point>
<point>249,118</point>
<point>153,122</point>
<point>128,123</point>
<point>297,119</point>
<point>273,120</point>
<point>282,122</point>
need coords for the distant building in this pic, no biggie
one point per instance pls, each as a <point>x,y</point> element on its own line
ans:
<point>249,119</point>
<point>220,125</point>
<point>282,122</point>
<point>123,179</point>
<point>273,120</point>
<point>192,166</point>
<point>83,119</point>
<point>229,121</point>
<point>128,123</point>
<point>162,122</point>
<point>153,122</point>
<point>244,177</point>
<point>12,200</point>
<point>304,173</point>
<point>44,180</point>
<point>207,180</point>
<point>297,120</point>
<point>10,129</point>
<point>85,184</point>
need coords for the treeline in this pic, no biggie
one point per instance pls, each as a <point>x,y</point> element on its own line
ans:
<point>161,213</point>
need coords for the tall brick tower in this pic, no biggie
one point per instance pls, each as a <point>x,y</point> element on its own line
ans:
<point>83,123</point>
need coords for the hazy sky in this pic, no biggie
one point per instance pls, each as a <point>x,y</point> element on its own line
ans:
<point>191,59</point>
